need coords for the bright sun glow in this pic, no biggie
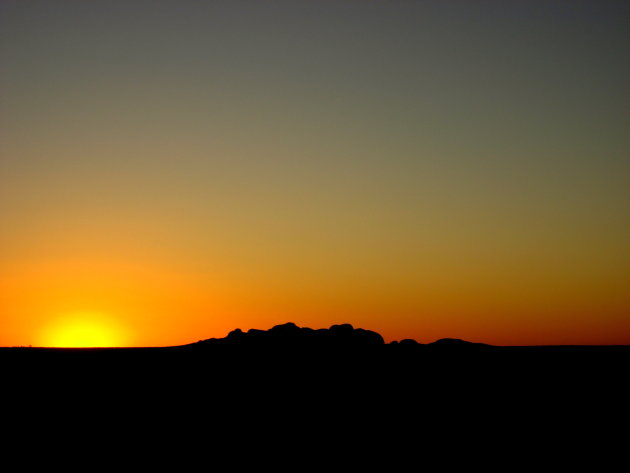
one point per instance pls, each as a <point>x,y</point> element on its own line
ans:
<point>83,331</point>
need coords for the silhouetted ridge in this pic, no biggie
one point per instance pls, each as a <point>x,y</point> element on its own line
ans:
<point>455,343</point>
<point>290,335</point>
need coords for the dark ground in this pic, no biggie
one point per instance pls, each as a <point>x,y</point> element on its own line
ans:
<point>470,402</point>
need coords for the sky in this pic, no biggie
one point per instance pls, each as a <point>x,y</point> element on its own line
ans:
<point>172,170</point>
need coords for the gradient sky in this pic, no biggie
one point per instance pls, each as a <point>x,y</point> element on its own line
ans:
<point>171,170</point>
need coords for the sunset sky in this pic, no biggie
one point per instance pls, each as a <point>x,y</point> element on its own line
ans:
<point>172,170</point>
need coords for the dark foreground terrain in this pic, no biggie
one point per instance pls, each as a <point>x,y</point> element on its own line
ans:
<point>331,388</point>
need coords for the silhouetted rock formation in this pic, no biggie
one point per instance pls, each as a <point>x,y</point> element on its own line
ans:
<point>339,336</point>
<point>290,335</point>
<point>406,342</point>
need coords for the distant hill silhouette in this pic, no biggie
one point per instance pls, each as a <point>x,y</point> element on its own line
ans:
<point>290,335</point>
<point>342,351</point>
<point>340,337</point>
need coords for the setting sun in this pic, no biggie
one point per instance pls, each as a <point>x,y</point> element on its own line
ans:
<point>83,331</point>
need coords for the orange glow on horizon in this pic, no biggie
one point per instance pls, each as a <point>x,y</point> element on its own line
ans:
<point>91,302</point>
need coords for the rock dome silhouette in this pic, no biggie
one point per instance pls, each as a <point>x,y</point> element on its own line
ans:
<point>291,335</point>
